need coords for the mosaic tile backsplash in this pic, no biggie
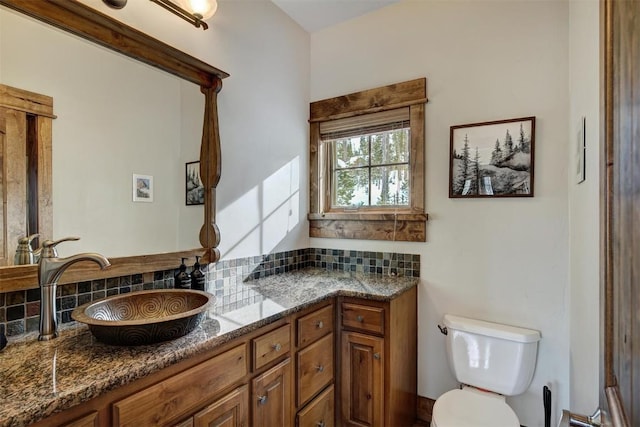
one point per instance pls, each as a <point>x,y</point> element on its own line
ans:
<point>20,310</point>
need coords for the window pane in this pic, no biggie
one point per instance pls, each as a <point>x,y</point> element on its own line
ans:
<point>351,152</point>
<point>351,188</point>
<point>390,185</point>
<point>390,147</point>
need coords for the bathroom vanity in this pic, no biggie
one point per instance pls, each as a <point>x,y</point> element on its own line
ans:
<point>321,348</point>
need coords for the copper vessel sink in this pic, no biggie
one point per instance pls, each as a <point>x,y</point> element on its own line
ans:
<point>145,317</point>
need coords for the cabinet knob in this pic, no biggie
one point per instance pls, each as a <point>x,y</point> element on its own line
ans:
<point>320,368</point>
<point>320,324</point>
<point>277,347</point>
<point>262,400</point>
<point>376,356</point>
<point>320,424</point>
<point>359,318</point>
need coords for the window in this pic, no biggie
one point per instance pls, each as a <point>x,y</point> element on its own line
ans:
<point>367,164</point>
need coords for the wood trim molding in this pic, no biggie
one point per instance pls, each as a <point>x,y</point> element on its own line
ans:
<point>389,97</point>
<point>22,277</point>
<point>390,230</point>
<point>425,409</point>
<point>368,216</point>
<point>25,101</point>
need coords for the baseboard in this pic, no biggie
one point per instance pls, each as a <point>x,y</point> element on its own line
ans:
<point>425,408</point>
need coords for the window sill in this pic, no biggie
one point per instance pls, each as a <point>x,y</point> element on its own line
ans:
<point>389,226</point>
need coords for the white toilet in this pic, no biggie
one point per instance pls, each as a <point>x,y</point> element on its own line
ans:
<point>491,361</point>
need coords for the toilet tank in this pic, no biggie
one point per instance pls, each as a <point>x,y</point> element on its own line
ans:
<point>491,356</point>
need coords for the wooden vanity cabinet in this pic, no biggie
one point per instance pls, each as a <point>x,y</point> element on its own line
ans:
<point>315,367</point>
<point>342,362</point>
<point>378,361</point>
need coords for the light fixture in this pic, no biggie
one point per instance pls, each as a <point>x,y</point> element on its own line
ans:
<point>193,11</point>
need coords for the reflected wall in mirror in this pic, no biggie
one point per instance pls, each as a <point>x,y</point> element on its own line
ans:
<point>115,117</point>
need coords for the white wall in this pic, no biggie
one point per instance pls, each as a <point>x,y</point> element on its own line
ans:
<point>584,83</point>
<point>262,109</point>
<point>503,260</point>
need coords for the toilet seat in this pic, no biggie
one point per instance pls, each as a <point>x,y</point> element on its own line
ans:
<point>471,407</point>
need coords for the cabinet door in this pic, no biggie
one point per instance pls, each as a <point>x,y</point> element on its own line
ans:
<point>362,380</point>
<point>271,397</point>
<point>230,411</point>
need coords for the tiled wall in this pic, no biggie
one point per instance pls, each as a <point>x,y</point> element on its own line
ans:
<point>20,310</point>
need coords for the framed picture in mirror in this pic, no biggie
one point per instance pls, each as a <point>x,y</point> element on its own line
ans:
<point>142,188</point>
<point>194,190</point>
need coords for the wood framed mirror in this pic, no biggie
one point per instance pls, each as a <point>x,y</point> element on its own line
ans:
<point>83,21</point>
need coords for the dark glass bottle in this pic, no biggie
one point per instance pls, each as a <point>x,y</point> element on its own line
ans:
<point>198,280</point>
<point>182,278</point>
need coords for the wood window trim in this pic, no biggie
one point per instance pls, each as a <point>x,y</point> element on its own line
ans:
<point>401,224</point>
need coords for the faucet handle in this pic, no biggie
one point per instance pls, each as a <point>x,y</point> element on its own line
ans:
<point>27,239</point>
<point>49,246</point>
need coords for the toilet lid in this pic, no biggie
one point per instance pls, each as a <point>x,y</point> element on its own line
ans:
<point>472,408</point>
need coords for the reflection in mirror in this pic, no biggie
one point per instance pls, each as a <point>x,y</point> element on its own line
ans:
<point>25,138</point>
<point>116,117</point>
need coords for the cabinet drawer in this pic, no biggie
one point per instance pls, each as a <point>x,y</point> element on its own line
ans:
<point>320,412</point>
<point>175,396</point>
<point>271,346</point>
<point>315,368</point>
<point>315,325</point>
<point>363,317</point>
<point>90,420</point>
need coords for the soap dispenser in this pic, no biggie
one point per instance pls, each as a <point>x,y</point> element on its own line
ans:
<point>24,252</point>
<point>197,276</point>
<point>182,278</point>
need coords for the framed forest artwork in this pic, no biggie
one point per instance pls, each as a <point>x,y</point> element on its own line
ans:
<point>492,159</point>
<point>194,190</point>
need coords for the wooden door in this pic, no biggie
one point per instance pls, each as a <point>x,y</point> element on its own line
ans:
<point>271,397</point>
<point>25,168</point>
<point>230,411</point>
<point>620,378</point>
<point>362,379</point>
<point>13,180</point>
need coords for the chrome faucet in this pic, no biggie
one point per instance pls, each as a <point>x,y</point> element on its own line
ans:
<point>50,268</point>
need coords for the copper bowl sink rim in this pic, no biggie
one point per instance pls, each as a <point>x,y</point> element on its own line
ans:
<point>79,313</point>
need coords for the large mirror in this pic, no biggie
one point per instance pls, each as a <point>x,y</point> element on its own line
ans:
<point>116,118</point>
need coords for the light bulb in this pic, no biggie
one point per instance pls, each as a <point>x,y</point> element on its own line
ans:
<point>204,8</point>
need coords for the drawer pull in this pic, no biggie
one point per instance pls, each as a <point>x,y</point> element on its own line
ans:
<point>277,347</point>
<point>320,324</point>
<point>320,368</point>
<point>320,424</point>
<point>262,400</point>
<point>376,356</point>
<point>359,318</point>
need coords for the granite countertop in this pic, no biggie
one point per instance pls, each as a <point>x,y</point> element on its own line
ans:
<point>38,379</point>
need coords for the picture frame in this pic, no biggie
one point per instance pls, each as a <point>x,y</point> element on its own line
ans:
<point>142,188</point>
<point>492,159</point>
<point>194,189</point>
